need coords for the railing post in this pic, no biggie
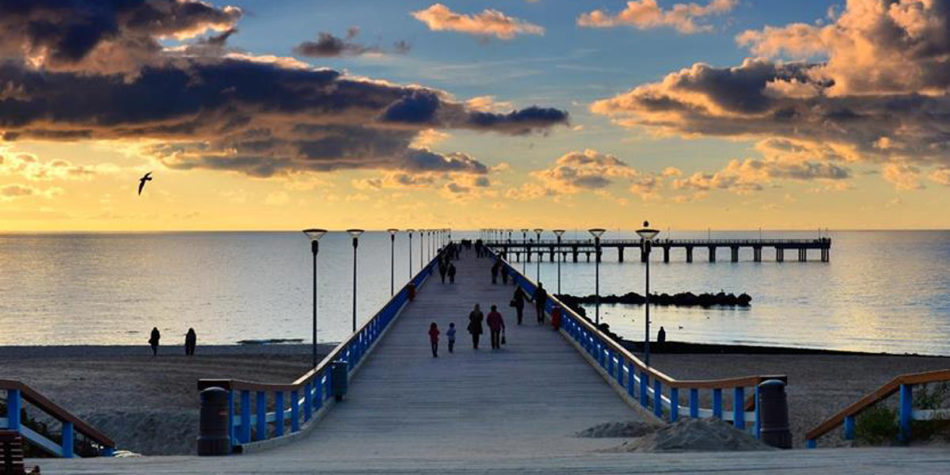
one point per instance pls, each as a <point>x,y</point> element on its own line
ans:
<point>14,406</point>
<point>631,380</point>
<point>307,407</point>
<point>849,427</point>
<point>717,403</point>
<point>610,361</point>
<point>644,382</point>
<point>694,403</point>
<point>294,411</point>
<point>68,440</point>
<point>619,370</point>
<point>318,392</point>
<point>261,432</point>
<point>278,413</point>
<point>906,406</point>
<point>674,404</point>
<point>811,444</point>
<point>738,408</point>
<point>657,398</point>
<point>758,414</point>
<point>231,434</point>
<point>245,432</point>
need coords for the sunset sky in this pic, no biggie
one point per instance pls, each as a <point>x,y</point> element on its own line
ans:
<point>729,114</point>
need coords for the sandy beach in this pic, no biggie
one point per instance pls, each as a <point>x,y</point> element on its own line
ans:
<point>150,405</point>
<point>147,405</point>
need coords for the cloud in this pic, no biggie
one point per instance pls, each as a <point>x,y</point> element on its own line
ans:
<point>15,191</point>
<point>586,170</point>
<point>329,46</point>
<point>489,22</point>
<point>877,94</point>
<point>940,176</point>
<point>106,37</point>
<point>903,176</point>
<point>32,168</point>
<point>647,14</point>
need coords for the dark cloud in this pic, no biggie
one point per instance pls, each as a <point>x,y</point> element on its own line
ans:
<point>329,46</point>
<point>519,121</point>
<point>418,107</point>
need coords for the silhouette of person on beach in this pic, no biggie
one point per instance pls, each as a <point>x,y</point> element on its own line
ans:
<point>475,325</point>
<point>540,298</point>
<point>517,301</point>
<point>496,324</point>
<point>661,336</point>
<point>434,339</point>
<point>191,340</point>
<point>153,340</point>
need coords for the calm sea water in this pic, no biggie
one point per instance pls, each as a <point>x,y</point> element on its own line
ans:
<point>882,291</point>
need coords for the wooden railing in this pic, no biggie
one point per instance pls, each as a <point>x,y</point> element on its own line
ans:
<point>906,413</point>
<point>652,389</point>
<point>18,393</point>
<point>311,393</point>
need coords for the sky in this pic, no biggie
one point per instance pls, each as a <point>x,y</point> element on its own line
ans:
<point>260,115</point>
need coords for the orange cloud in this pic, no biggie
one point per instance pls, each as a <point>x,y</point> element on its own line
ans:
<point>489,22</point>
<point>647,14</point>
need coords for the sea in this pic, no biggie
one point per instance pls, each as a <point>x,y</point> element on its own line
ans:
<point>882,291</point>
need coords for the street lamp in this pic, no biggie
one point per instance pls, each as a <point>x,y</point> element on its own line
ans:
<point>524,245</point>
<point>422,241</point>
<point>356,237</point>
<point>392,260</point>
<point>597,232</point>
<point>538,232</point>
<point>646,235</point>
<point>558,232</point>
<point>315,235</point>
<point>410,231</point>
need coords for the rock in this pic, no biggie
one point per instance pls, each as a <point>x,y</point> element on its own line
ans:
<point>695,435</point>
<point>619,429</point>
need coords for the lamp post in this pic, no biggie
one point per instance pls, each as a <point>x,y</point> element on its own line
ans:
<point>524,245</point>
<point>392,260</point>
<point>538,232</point>
<point>410,231</point>
<point>356,238</point>
<point>558,232</point>
<point>597,232</point>
<point>422,242</point>
<point>315,235</point>
<point>646,235</point>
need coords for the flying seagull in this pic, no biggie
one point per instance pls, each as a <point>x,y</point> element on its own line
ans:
<point>147,177</point>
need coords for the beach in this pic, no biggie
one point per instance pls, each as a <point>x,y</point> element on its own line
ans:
<point>150,405</point>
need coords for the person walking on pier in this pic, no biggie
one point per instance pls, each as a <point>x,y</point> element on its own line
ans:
<point>504,274</point>
<point>442,268</point>
<point>153,340</point>
<point>494,272</point>
<point>517,301</point>
<point>451,272</point>
<point>450,334</point>
<point>496,324</point>
<point>475,325</point>
<point>434,339</point>
<point>540,298</point>
<point>191,340</point>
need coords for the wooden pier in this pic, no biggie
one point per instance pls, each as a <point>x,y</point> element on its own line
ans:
<point>516,250</point>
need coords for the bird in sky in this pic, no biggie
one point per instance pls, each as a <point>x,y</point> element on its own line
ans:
<point>147,177</point>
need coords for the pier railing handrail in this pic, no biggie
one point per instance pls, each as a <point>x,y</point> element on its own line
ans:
<point>741,381</point>
<point>55,411</point>
<point>316,385</point>
<point>658,242</point>
<point>879,394</point>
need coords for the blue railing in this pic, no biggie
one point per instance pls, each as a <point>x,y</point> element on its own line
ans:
<point>17,393</point>
<point>282,410</point>
<point>655,391</point>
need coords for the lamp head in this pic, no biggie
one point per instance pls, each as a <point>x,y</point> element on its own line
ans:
<point>597,232</point>
<point>314,234</point>
<point>647,233</point>
<point>392,231</point>
<point>558,232</point>
<point>355,232</point>
<point>538,230</point>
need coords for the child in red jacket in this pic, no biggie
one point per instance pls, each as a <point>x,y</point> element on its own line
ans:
<point>434,339</point>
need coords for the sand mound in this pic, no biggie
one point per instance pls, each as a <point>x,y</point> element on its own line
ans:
<point>619,429</point>
<point>150,433</point>
<point>694,435</point>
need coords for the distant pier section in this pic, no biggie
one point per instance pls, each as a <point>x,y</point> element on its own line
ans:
<point>517,249</point>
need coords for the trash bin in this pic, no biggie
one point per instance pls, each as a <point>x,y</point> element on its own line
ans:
<point>213,437</point>
<point>773,409</point>
<point>338,379</point>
